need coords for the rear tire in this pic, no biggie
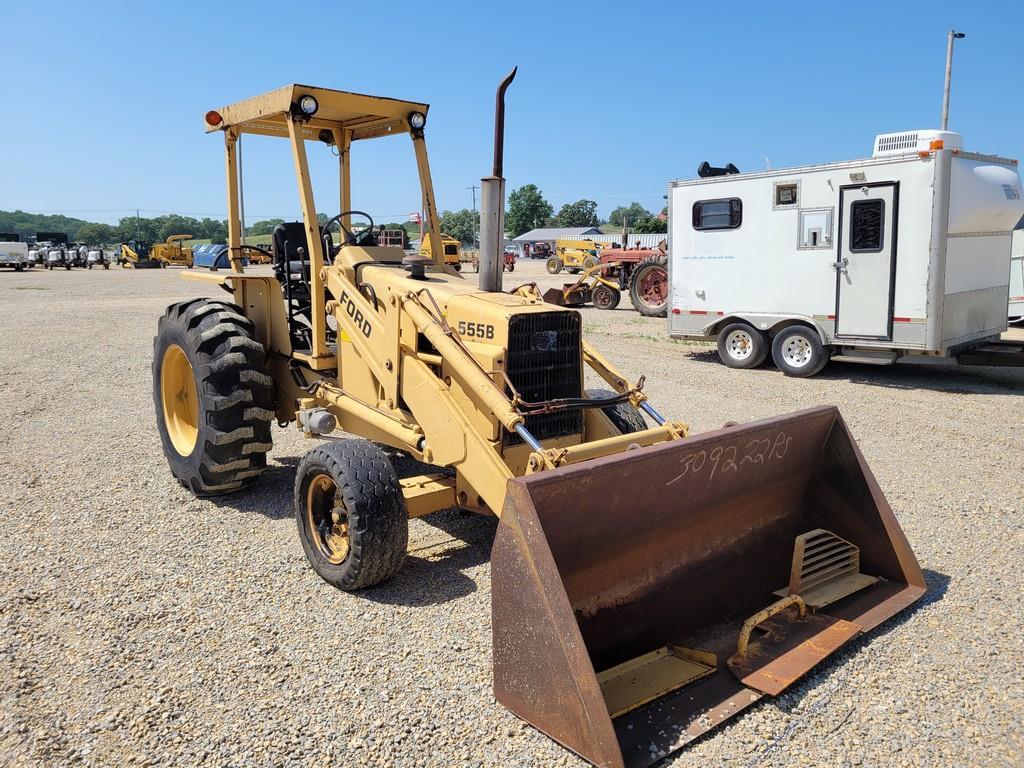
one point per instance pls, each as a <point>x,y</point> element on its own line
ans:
<point>648,288</point>
<point>589,262</point>
<point>214,400</point>
<point>624,416</point>
<point>351,514</point>
<point>797,351</point>
<point>605,297</point>
<point>742,346</point>
<point>554,266</point>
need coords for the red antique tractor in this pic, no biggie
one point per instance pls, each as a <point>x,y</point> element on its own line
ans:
<point>643,272</point>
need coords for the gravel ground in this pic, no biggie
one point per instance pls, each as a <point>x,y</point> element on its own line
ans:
<point>140,626</point>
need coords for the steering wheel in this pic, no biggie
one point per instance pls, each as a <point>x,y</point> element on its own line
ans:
<point>362,238</point>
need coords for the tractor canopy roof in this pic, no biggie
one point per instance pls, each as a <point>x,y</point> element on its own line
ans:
<point>366,117</point>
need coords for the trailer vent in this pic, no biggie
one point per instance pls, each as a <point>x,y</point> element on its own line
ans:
<point>913,141</point>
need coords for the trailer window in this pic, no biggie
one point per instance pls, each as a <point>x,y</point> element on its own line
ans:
<point>718,214</point>
<point>787,194</point>
<point>866,220</point>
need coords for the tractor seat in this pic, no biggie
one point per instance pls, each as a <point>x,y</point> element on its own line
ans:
<point>291,250</point>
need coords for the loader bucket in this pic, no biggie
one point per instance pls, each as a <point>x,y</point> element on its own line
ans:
<point>570,295</point>
<point>640,599</point>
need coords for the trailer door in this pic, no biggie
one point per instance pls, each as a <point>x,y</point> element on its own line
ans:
<point>866,260</point>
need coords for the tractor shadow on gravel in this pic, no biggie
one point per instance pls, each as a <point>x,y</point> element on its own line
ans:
<point>906,376</point>
<point>270,495</point>
<point>433,572</point>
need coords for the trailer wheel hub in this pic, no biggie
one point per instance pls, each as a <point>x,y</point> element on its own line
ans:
<point>740,344</point>
<point>797,351</point>
<point>180,400</point>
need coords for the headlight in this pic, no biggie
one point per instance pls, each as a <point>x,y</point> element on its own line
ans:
<point>417,120</point>
<point>308,105</point>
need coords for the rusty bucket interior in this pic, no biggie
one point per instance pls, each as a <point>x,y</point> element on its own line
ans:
<point>639,600</point>
<point>569,295</point>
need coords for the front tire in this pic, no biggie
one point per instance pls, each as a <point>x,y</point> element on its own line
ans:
<point>797,351</point>
<point>214,400</point>
<point>648,288</point>
<point>624,416</point>
<point>742,346</point>
<point>605,297</point>
<point>554,265</point>
<point>351,514</point>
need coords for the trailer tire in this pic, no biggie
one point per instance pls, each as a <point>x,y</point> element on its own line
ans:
<point>554,265</point>
<point>648,287</point>
<point>214,400</point>
<point>742,346</point>
<point>351,514</point>
<point>624,416</point>
<point>797,351</point>
<point>605,297</point>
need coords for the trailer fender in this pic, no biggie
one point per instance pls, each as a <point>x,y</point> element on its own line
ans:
<point>770,324</point>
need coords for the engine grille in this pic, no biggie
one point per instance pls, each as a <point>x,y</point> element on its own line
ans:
<point>544,363</point>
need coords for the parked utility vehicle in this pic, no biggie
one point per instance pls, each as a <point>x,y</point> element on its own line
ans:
<point>97,257</point>
<point>902,254</point>
<point>452,250</point>
<point>56,250</point>
<point>13,252</point>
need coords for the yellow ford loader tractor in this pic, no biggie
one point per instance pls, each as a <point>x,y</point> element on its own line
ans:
<point>646,584</point>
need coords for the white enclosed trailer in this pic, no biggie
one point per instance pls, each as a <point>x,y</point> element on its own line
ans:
<point>904,253</point>
<point>1016,310</point>
<point>13,252</point>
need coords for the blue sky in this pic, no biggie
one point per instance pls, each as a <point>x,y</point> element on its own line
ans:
<point>103,101</point>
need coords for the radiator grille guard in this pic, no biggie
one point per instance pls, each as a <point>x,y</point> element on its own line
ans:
<point>544,363</point>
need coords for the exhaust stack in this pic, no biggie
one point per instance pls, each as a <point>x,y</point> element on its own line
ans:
<point>492,200</point>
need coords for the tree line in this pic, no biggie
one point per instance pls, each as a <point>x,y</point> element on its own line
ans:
<point>527,209</point>
<point>128,228</point>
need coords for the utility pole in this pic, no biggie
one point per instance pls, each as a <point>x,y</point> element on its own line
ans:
<point>138,226</point>
<point>950,37</point>
<point>476,221</point>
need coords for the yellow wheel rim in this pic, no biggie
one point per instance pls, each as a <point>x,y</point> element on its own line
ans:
<point>327,520</point>
<point>180,400</point>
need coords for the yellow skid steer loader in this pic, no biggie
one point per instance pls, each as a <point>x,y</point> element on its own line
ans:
<point>647,584</point>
